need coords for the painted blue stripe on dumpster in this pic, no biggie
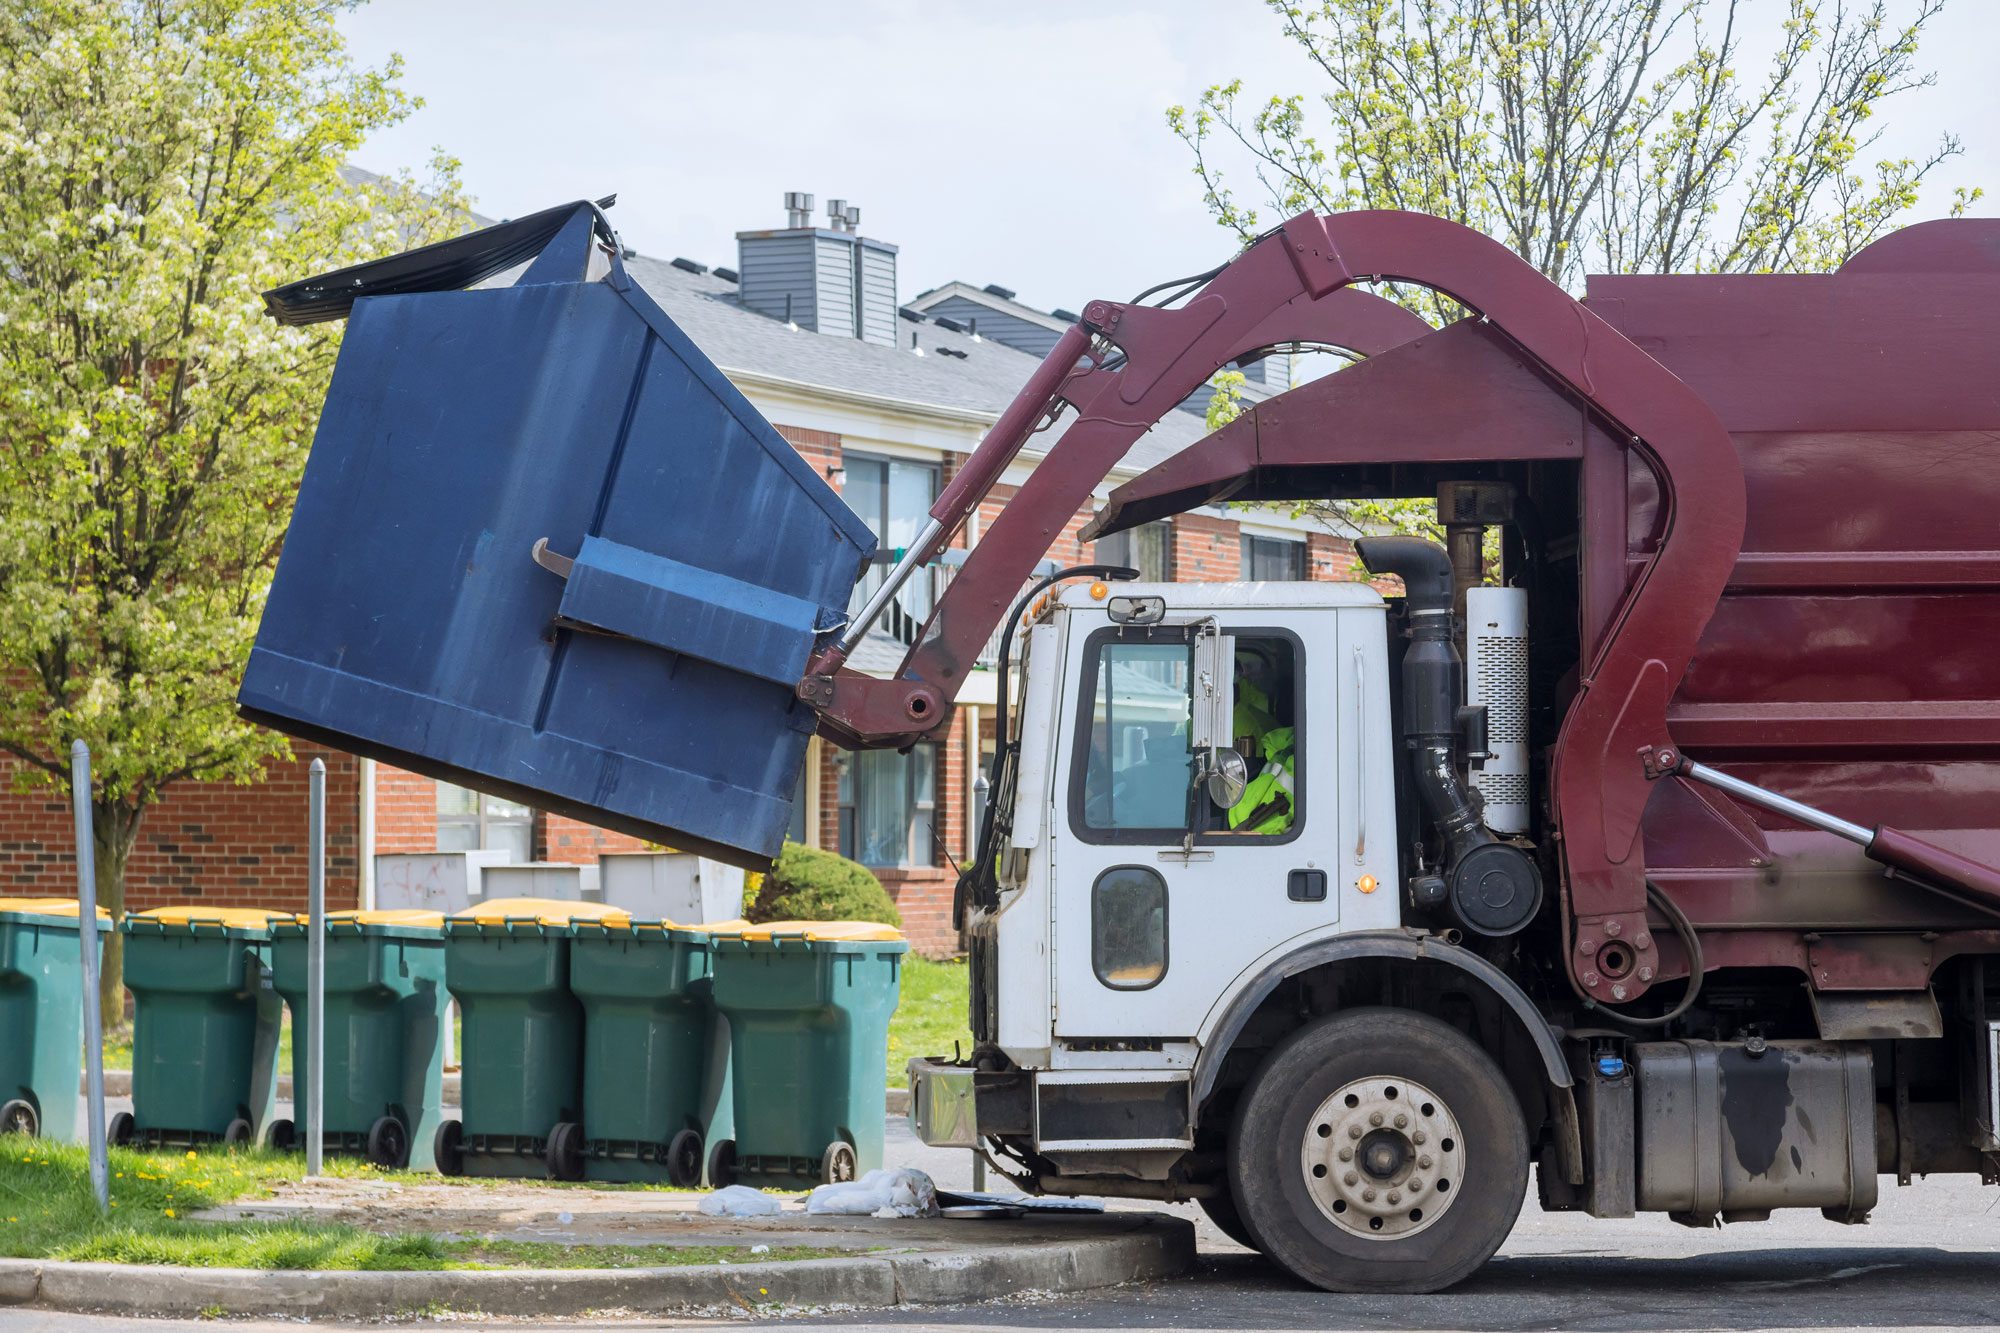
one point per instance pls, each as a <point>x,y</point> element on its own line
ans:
<point>751,629</point>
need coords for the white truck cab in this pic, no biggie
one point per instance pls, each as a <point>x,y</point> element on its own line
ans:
<point>1142,883</point>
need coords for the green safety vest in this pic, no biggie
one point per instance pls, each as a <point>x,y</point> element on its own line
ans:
<point>1268,798</point>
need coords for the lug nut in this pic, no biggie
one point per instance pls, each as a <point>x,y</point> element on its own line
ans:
<point>1350,1179</point>
<point>1417,1137</point>
<point>1618,991</point>
<point>1414,1186</point>
<point>1402,1121</point>
<point>1347,1154</point>
<point>1644,939</point>
<point>1424,1163</point>
<point>1354,1131</point>
<point>1590,978</point>
<point>1368,1196</point>
<point>1613,927</point>
<point>1395,1197</point>
<point>1375,1118</point>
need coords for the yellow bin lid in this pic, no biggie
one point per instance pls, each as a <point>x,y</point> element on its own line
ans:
<point>388,916</point>
<point>48,907</point>
<point>845,932</point>
<point>541,911</point>
<point>230,918</point>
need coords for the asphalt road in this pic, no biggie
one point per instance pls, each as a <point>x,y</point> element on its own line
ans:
<point>1929,1259</point>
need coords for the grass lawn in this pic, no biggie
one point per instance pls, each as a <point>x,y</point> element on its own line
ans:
<point>931,1016</point>
<point>47,1212</point>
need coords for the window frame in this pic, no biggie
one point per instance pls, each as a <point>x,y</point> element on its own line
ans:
<point>482,820</point>
<point>1128,537</point>
<point>846,821</point>
<point>1166,926</point>
<point>1247,549</point>
<point>1086,704</point>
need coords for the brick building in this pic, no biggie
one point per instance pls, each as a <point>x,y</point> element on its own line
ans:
<point>884,399</point>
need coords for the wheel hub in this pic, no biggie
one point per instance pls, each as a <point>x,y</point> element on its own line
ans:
<point>1383,1158</point>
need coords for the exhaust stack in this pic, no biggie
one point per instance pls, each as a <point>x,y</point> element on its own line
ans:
<point>1490,887</point>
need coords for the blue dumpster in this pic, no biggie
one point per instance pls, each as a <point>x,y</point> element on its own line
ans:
<point>544,549</point>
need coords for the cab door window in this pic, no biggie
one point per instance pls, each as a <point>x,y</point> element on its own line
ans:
<point>1137,769</point>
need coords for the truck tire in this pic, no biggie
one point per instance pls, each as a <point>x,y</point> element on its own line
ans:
<point>1355,1173</point>
<point>1221,1210</point>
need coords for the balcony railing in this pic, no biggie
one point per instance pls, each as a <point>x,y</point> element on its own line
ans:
<point>912,605</point>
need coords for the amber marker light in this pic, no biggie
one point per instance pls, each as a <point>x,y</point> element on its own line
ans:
<point>1366,884</point>
<point>1099,591</point>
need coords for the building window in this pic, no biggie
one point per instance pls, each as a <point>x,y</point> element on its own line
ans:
<point>893,497</point>
<point>1144,548</point>
<point>1273,560</point>
<point>888,806</point>
<point>470,821</point>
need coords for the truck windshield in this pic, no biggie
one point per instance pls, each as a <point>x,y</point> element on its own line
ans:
<point>1140,768</point>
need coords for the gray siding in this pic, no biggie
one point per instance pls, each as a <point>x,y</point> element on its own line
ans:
<point>835,283</point>
<point>771,268</point>
<point>1007,330</point>
<point>878,294</point>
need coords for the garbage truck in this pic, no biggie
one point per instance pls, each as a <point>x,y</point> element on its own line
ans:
<point>1640,832</point>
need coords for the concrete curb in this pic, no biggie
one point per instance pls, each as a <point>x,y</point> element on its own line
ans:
<point>118,1083</point>
<point>1128,1247</point>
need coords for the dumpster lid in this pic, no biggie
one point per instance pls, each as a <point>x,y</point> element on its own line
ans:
<point>227,918</point>
<point>828,932</point>
<point>397,920</point>
<point>46,907</point>
<point>541,912</point>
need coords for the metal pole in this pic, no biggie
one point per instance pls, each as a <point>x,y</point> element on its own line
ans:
<point>1810,816</point>
<point>315,1089</point>
<point>86,934</point>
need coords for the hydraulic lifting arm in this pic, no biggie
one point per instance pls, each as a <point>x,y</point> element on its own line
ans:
<point>1125,366</point>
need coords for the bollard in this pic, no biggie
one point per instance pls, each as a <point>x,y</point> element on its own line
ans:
<point>86,930</point>
<point>315,1033</point>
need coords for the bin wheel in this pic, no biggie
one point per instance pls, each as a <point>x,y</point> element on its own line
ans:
<point>18,1117</point>
<point>449,1148</point>
<point>722,1165</point>
<point>564,1154</point>
<point>389,1143</point>
<point>122,1129</point>
<point>284,1136</point>
<point>238,1132</point>
<point>684,1159</point>
<point>836,1164</point>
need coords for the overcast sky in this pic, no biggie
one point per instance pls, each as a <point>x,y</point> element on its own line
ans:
<point>1022,143</point>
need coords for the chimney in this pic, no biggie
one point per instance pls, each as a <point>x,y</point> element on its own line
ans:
<point>830,280</point>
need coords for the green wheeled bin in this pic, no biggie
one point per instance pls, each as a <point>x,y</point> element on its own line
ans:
<point>204,1027</point>
<point>520,1076</point>
<point>41,1015</point>
<point>655,1052</point>
<point>385,1014</point>
<point>808,1005</point>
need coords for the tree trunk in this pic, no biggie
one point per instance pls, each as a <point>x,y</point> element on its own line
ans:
<point>115,828</point>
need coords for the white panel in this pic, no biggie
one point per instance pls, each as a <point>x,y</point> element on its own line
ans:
<point>432,881</point>
<point>1038,719</point>
<point>1496,674</point>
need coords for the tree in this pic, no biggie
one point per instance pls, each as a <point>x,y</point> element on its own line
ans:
<point>1586,135</point>
<point>162,162</point>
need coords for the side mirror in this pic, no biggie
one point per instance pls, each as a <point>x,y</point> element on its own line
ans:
<point>1227,776</point>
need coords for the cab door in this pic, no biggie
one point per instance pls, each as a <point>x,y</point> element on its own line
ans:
<point>1159,902</point>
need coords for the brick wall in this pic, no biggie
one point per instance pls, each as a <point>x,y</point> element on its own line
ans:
<point>406,812</point>
<point>573,842</point>
<point>209,842</point>
<point>1206,550</point>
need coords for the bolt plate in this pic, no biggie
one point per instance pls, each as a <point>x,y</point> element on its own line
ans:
<point>1405,1130</point>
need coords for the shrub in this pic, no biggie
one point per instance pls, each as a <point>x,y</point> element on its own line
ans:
<point>811,885</point>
